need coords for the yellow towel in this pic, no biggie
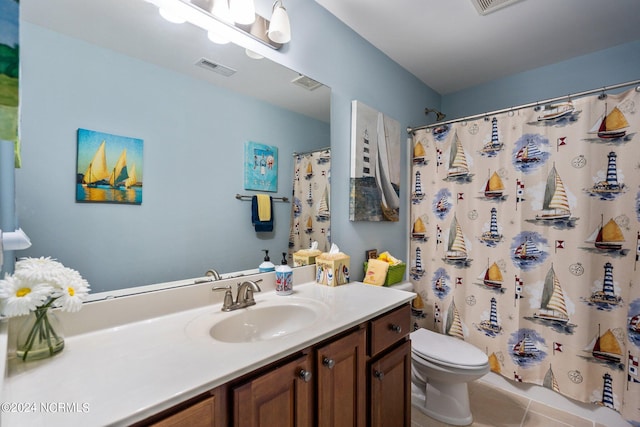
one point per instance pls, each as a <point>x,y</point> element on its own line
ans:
<point>376,272</point>
<point>264,207</point>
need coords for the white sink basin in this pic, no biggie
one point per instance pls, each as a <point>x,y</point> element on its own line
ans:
<point>264,321</point>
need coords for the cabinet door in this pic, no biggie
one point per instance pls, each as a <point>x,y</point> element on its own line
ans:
<point>342,382</point>
<point>209,412</point>
<point>390,386</point>
<point>281,397</point>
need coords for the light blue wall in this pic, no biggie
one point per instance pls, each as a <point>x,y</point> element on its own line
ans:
<point>327,50</point>
<point>607,67</point>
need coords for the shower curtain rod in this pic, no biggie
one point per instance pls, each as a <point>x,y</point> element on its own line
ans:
<point>531,104</point>
<point>295,153</point>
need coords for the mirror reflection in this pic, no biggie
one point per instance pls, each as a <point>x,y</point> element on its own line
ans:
<point>117,67</point>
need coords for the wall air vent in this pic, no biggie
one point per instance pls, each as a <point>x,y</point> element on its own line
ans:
<point>215,67</point>
<point>485,7</point>
<point>306,82</point>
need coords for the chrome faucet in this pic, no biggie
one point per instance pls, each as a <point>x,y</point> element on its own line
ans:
<point>244,297</point>
<point>213,273</point>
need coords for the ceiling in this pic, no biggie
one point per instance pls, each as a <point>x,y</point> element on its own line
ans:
<point>449,46</point>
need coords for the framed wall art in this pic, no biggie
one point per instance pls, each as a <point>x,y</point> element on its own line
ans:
<point>108,168</point>
<point>375,165</point>
<point>260,167</point>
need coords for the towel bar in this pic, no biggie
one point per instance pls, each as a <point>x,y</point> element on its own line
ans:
<point>277,199</point>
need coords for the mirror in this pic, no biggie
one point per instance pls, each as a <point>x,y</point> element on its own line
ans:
<point>115,66</point>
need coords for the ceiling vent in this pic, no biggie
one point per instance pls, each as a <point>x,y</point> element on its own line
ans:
<point>306,82</point>
<point>485,7</point>
<point>215,67</point>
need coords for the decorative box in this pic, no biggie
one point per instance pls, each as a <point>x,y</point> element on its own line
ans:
<point>305,257</point>
<point>395,274</point>
<point>332,269</point>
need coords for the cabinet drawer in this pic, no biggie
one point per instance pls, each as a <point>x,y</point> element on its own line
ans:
<point>389,328</point>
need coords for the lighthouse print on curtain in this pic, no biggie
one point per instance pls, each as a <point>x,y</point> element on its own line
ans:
<point>525,242</point>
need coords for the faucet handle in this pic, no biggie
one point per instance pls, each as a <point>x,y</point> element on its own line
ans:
<point>228,297</point>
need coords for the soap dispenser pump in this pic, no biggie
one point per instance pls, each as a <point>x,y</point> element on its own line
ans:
<point>266,265</point>
<point>284,277</point>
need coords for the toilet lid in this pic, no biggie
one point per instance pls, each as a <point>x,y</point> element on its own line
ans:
<point>446,349</point>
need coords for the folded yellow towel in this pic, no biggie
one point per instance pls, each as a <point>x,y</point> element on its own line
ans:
<point>376,272</point>
<point>264,207</point>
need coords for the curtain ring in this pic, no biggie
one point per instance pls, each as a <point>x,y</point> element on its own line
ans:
<point>637,88</point>
<point>603,95</point>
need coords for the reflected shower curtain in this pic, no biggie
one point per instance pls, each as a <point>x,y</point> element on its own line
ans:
<point>525,242</point>
<point>310,216</point>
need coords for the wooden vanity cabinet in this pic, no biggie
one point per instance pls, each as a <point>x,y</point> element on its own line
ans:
<point>361,377</point>
<point>389,369</point>
<point>341,395</point>
<point>281,397</point>
<point>207,410</point>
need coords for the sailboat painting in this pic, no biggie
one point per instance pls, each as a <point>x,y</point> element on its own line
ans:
<point>109,168</point>
<point>441,204</point>
<point>529,152</point>
<point>459,163</point>
<point>494,188</point>
<point>611,125</point>
<point>453,323</point>
<point>552,305</point>
<point>558,111</point>
<point>440,283</point>
<point>605,348</point>
<point>375,165</point>
<point>419,229</point>
<point>633,322</point>
<point>457,252</point>
<point>556,209</point>
<point>528,250</point>
<point>607,238</point>
<point>526,347</point>
<point>492,277</point>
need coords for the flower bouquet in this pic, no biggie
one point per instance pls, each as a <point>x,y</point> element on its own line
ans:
<point>37,285</point>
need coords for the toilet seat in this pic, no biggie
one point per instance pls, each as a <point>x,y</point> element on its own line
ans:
<point>446,350</point>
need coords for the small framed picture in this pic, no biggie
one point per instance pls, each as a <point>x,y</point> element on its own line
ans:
<point>371,253</point>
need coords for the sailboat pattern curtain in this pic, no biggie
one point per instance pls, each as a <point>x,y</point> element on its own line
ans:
<point>310,216</point>
<point>525,242</point>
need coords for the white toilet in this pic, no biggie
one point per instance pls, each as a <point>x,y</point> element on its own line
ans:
<point>440,370</point>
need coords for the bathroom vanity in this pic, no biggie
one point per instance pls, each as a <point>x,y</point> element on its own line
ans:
<point>322,356</point>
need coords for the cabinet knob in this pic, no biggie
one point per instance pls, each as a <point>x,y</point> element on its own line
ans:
<point>378,374</point>
<point>304,375</point>
<point>329,363</point>
<point>395,328</point>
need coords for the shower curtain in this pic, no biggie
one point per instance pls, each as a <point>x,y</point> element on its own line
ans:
<point>310,216</point>
<point>525,242</point>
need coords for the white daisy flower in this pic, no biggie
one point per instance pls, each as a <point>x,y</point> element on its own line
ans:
<point>72,290</point>
<point>20,297</point>
<point>43,269</point>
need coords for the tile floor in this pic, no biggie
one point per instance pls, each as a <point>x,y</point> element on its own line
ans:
<point>495,407</point>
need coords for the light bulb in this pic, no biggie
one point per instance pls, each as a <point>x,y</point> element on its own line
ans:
<point>280,28</point>
<point>242,11</point>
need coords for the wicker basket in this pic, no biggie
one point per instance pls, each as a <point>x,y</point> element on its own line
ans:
<point>395,274</point>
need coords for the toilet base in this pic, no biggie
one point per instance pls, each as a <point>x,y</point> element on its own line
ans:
<point>446,402</point>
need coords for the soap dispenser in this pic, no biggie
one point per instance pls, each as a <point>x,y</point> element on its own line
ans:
<point>266,265</point>
<point>284,277</point>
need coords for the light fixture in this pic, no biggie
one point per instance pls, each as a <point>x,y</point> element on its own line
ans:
<point>223,22</point>
<point>279,28</point>
<point>243,12</point>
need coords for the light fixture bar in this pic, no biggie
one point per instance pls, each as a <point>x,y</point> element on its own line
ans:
<point>207,21</point>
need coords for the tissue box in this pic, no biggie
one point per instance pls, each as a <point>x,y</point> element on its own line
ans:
<point>332,269</point>
<point>305,257</point>
<point>395,274</point>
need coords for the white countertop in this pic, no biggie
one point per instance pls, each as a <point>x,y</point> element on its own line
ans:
<point>123,374</point>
